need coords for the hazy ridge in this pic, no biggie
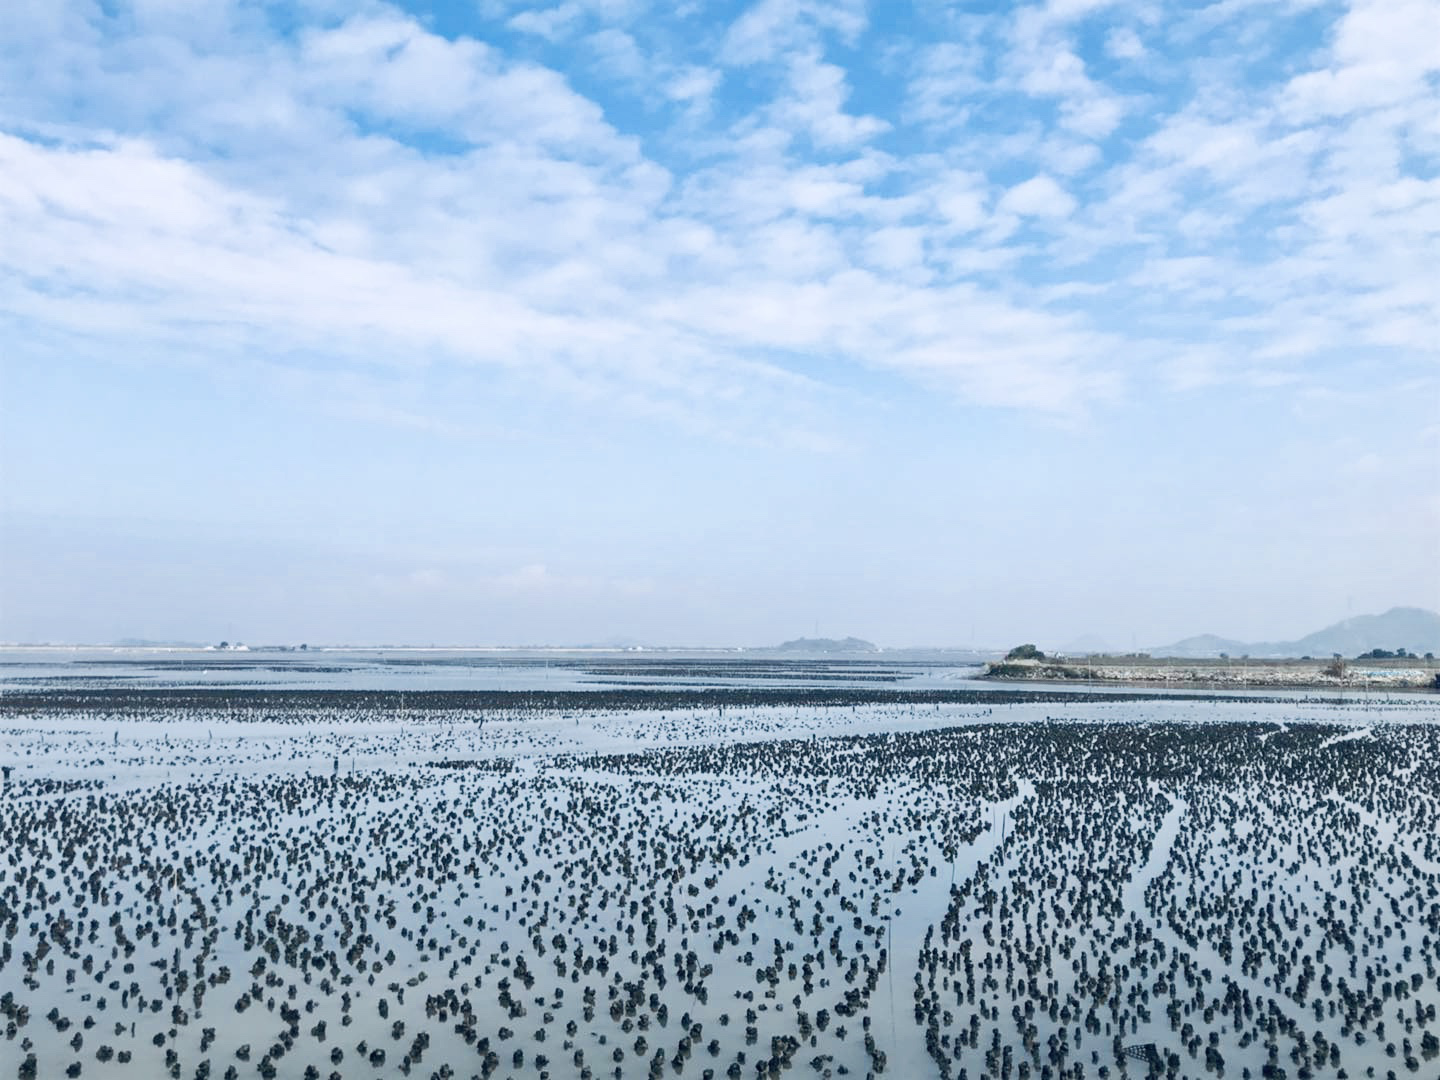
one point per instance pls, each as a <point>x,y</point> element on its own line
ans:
<point>1414,629</point>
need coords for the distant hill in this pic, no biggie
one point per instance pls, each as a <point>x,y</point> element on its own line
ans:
<point>1084,645</point>
<point>828,645</point>
<point>1203,645</point>
<point>1414,629</point>
<point>1410,628</point>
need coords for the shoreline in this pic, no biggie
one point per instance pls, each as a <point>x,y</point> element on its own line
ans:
<point>1218,674</point>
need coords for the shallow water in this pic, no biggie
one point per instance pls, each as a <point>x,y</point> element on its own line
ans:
<point>1121,837</point>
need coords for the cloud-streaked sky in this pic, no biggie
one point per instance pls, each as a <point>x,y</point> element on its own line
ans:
<point>489,321</point>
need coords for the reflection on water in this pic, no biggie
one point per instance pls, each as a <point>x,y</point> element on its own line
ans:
<point>440,669</point>
<point>306,883</point>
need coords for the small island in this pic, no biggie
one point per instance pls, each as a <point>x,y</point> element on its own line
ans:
<point>827,645</point>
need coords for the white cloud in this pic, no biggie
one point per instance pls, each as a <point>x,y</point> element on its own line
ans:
<point>897,249</point>
<point>946,83</point>
<point>373,185</point>
<point>557,22</point>
<point>395,69</point>
<point>1053,70</point>
<point>1071,10</point>
<point>1043,62</point>
<point>1123,43</point>
<point>773,28</point>
<point>1040,196</point>
<point>693,85</point>
<point>550,23</point>
<point>618,53</point>
<point>752,234</point>
<point>1093,117</point>
<point>815,105</point>
<point>960,201</point>
<point>1384,53</point>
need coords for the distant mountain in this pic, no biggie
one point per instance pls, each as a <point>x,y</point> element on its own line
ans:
<point>1409,628</point>
<point>1196,648</point>
<point>1414,629</point>
<point>1084,645</point>
<point>828,645</point>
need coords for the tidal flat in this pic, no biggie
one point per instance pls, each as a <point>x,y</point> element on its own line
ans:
<point>589,869</point>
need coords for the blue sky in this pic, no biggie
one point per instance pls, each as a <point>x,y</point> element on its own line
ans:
<point>716,323</point>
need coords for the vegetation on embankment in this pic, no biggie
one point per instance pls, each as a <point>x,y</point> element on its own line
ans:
<point>1396,673</point>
